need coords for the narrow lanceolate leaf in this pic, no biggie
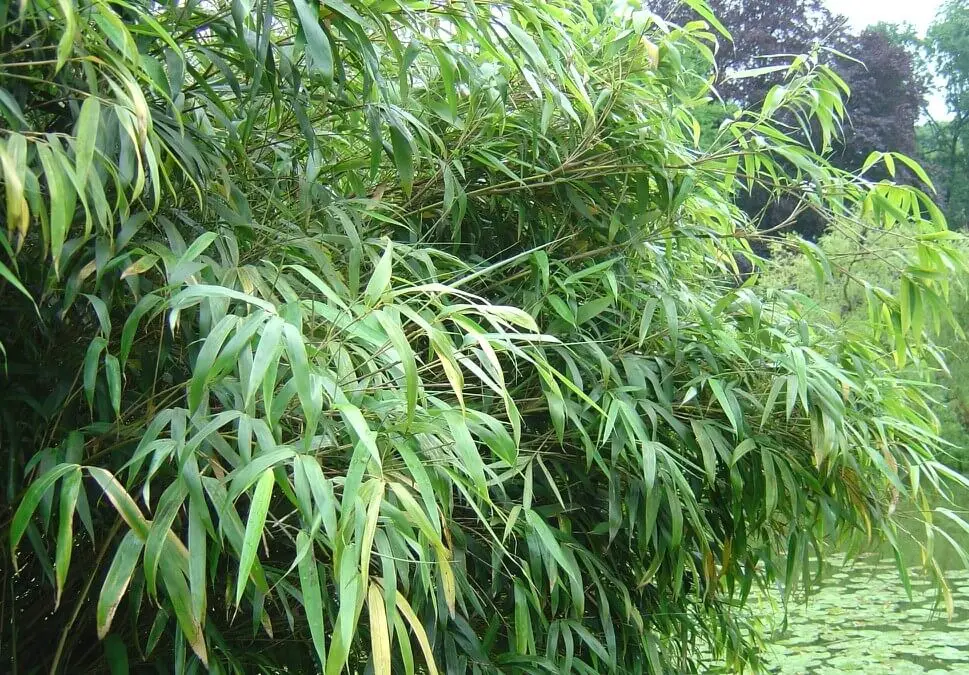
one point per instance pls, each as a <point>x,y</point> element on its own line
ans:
<point>70,487</point>
<point>448,585</point>
<point>12,279</point>
<point>180,597</point>
<point>299,362</point>
<point>116,654</point>
<point>547,537</point>
<point>380,279</point>
<point>361,429</point>
<point>403,157</point>
<point>87,137</point>
<point>317,44</point>
<point>112,373</point>
<point>122,501</point>
<point>379,631</point>
<point>267,351</point>
<point>202,372</point>
<point>258,508</point>
<point>31,499</point>
<point>418,629</point>
<point>197,554</point>
<point>349,596</point>
<point>309,581</point>
<point>139,266</point>
<point>370,529</point>
<point>62,200</point>
<point>12,159</point>
<point>397,338</point>
<point>117,580</point>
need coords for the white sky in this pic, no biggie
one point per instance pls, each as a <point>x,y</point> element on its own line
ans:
<point>864,12</point>
<point>919,13</point>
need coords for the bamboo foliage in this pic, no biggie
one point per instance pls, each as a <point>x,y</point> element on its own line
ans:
<point>401,336</point>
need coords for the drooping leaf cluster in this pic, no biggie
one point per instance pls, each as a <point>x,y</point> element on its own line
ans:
<point>403,335</point>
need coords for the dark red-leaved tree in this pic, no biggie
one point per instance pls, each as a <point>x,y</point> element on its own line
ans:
<point>886,96</point>
<point>887,92</point>
<point>764,32</point>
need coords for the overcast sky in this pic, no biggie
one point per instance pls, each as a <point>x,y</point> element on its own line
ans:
<point>919,13</point>
<point>864,12</point>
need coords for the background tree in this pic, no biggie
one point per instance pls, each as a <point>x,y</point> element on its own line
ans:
<point>887,96</point>
<point>945,143</point>
<point>887,90</point>
<point>763,33</point>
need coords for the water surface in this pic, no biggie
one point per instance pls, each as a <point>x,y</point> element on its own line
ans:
<point>861,622</point>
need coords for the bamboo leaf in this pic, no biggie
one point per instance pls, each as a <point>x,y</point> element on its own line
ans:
<point>31,499</point>
<point>309,580</point>
<point>120,499</point>
<point>379,632</point>
<point>317,44</point>
<point>354,418</point>
<point>116,582</point>
<point>380,279</point>
<point>418,629</point>
<point>87,137</point>
<point>258,508</point>
<point>70,487</point>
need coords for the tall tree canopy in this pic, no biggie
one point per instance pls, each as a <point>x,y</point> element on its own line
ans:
<point>402,335</point>
<point>887,94</point>
<point>945,143</point>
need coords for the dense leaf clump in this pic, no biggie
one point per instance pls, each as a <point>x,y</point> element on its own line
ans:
<point>411,335</point>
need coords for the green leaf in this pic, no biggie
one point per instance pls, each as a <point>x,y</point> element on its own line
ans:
<point>197,554</point>
<point>112,373</point>
<point>300,365</point>
<point>61,198</point>
<point>354,418</point>
<point>380,279</point>
<point>591,309</point>
<point>180,596</point>
<point>15,282</point>
<point>742,449</point>
<point>120,499</point>
<point>258,508</point>
<point>317,44</point>
<point>202,371</point>
<point>140,266</point>
<point>418,629</point>
<point>403,157</point>
<point>116,581</point>
<point>707,450</point>
<point>86,136</point>
<point>725,403</point>
<point>145,305</point>
<point>370,529</point>
<point>267,352</point>
<point>379,632</point>
<point>309,581</point>
<point>551,545</point>
<point>116,654</point>
<point>90,370</point>
<point>37,490</point>
<point>395,333</point>
<point>70,487</point>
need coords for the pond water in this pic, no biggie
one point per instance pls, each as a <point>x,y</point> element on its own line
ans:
<point>861,622</point>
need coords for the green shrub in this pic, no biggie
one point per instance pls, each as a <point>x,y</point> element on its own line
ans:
<point>395,334</point>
